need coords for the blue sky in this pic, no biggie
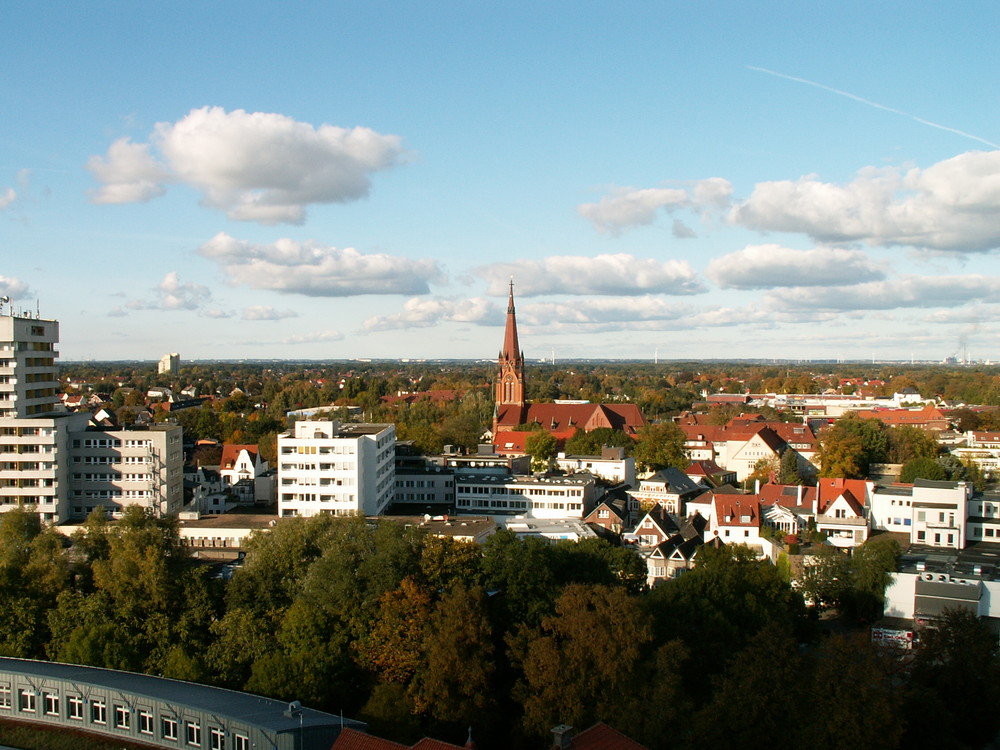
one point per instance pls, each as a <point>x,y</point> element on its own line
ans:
<point>338,180</point>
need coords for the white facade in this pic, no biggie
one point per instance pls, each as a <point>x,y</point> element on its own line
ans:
<point>614,470</point>
<point>542,498</point>
<point>343,470</point>
<point>170,364</point>
<point>118,468</point>
<point>29,379</point>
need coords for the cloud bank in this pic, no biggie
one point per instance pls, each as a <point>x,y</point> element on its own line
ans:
<point>631,207</point>
<point>620,274</point>
<point>769,266</point>
<point>255,166</point>
<point>316,270</point>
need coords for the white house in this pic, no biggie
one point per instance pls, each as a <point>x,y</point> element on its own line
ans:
<point>612,465</point>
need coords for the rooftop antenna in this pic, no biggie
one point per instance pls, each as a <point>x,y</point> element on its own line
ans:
<point>3,301</point>
<point>38,310</point>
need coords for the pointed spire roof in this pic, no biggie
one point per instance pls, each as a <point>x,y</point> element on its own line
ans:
<point>511,348</point>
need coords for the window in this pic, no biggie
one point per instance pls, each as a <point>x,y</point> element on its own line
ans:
<point>26,700</point>
<point>74,707</point>
<point>5,696</point>
<point>52,704</point>
<point>218,738</point>
<point>921,535</point>
<point>192,733</point>
<point>168,728</point>
<point>921,515</point>
<point>241,742</point>
<point>122,716</point>
<point>145,722</point>
<point>99,712</point>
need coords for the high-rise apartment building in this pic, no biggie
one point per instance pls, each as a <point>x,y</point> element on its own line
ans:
<point>170,364</point>
<point>338,469</point>
<point>55,461</point>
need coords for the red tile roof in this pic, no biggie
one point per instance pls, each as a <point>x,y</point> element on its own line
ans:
<point>231,452</point>
<point>602,737</point>
<point>737,510</point>
<point>559,417</point>
<point>352,739</point>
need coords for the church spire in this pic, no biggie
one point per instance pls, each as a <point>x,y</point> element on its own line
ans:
<point>510,379</point>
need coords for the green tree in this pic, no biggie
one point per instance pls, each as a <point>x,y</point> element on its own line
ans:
<point>922,468</point>
<point>660,446</point>
<point>456,680</point>
<point>571,676</point>
<point>854,702</point>
<point>788,471</point>
<point>541,446</point>
<point>851,445</point>
<point>907,443</point>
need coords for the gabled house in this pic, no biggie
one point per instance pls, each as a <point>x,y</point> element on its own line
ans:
<point>241,462</point>
<point>654,527</point>
<point>669,488</point>
<point>735,520</point>
<point>841,510</point>
<point>613,511</point>
<point>709,474</point>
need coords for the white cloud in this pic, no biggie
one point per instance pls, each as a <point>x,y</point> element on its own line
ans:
<point>255,166</point>
<point>906,291</point>
<point>950,206</point>
<point>630,207</point>
<point>422,313</point>
<point>769,266</point>
<point>129,173</point>
<point>172,294</point>
<point>316,270</point>
<point>217,314</point>
<point>313,338</point>
<point>600,310</point>
<point>264,312</point>
<point>7,197</point>
<point>13,288</point>
<point>618,275</point>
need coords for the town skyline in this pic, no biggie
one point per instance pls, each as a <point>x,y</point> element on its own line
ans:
<point>361,182</point>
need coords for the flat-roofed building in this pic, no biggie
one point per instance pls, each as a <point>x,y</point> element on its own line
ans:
<point>117,468</point>
<point>556,497</point>
<point>158,712</point>
<point>325,467</point>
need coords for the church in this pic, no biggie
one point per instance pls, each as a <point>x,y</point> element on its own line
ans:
<point>562,419</point>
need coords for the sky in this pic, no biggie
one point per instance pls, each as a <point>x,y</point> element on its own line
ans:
<point>364,179</point>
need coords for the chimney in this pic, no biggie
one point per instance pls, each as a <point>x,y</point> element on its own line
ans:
<point>756,486</point>
<point>798,499</point>
<point>562,736</point>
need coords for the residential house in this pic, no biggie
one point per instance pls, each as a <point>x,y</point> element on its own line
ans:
<point>669,488</point>
<point>613,511</point>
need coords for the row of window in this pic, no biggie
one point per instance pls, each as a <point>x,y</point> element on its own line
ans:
<point>122,717</point>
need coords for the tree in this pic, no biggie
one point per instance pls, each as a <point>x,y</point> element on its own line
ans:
<point>955,689</point>
<point>757,679</point>
<point>455,681</point>
<point>541,446</point>
<point>585,443</point>
<point>660,446</point>
<point>854,703</point>
<point>922,468</point>
<point>788,470</point>
<point>582,663</point>
<point>852,445</point>
<point>907,443</point>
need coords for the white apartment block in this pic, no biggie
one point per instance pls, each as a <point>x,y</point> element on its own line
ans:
<point>117,468</point>
<point>51,460</point>
<point>169,364</point>
<point>34,427</point>
<point>935,514</point>
<point>534,497</point>
<point>325,467</point>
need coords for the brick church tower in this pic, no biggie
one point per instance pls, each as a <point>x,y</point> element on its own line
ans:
<point>510,377</point>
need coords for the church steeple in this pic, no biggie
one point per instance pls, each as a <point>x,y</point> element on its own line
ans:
<point>510,378</point>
